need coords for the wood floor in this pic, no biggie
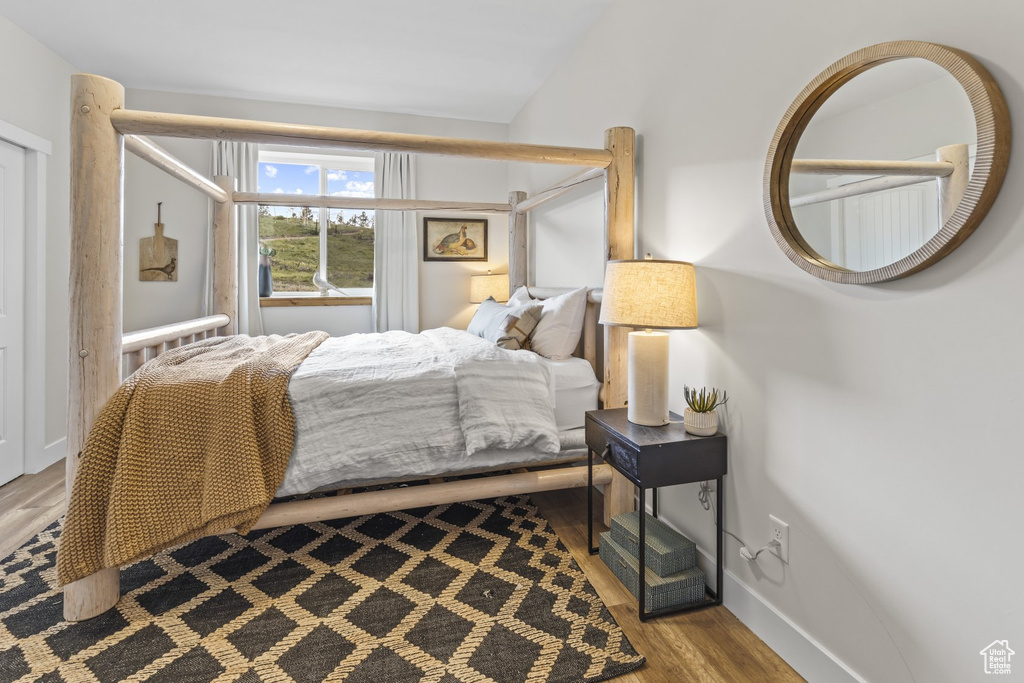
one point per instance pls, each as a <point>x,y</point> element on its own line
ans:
<point>710,646</point>
<point>28,505</point>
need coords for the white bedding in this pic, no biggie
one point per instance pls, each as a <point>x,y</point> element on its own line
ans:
<point>393,405</point>
<point>576,390</point>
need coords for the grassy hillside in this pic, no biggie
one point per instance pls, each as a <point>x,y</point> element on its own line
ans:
<point>349,253</point>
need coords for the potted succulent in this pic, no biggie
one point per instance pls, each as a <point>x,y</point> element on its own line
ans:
<point>265,283</point>
<point>699,417</point>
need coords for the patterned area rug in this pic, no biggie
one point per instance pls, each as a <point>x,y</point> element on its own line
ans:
<point>480,591</point>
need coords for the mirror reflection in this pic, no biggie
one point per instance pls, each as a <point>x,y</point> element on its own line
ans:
<point>882,164</point>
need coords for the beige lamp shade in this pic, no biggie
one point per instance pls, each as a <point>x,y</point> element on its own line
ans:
<point>649,294</point>
<point>483,286</point>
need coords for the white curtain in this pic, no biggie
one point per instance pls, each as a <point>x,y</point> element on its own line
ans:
<point>395,253</point>
<point>239,160</point>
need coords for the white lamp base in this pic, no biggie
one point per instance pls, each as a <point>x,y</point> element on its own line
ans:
<point>648,378</point>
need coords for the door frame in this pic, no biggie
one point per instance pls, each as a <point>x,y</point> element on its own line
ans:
<point>37,151</point>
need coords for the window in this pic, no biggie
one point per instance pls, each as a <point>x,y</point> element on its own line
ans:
<point>310,240</point>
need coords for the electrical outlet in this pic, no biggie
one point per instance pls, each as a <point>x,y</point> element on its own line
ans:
<point>778,531</point>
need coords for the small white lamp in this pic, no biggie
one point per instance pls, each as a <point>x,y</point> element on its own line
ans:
<point>653,295</point>
<point>483,286</point>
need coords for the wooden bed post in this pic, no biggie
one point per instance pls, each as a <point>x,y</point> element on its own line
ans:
<point>97,183</point>
<point>619,235</point>
<point>517,256</point>
<point>953,186</point>
<point>225,256</point>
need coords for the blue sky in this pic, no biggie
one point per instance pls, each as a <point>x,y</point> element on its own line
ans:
<point>302,179</point>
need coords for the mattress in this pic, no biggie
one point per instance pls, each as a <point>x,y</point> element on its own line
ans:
<point>375,407</point>
<point>576,390</point>
<point>573,442</point>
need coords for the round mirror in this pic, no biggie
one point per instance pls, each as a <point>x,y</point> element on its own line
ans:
<point>886,162</point>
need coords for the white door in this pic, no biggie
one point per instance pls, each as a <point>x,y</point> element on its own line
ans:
<point>12,314</point>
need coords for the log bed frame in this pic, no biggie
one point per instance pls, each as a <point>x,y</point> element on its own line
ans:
<point>102,129</point>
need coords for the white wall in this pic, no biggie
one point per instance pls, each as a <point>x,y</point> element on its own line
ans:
<point>879,422</point>
<point>37,93</point>
<point>444,287</point>
<point>905,125</point>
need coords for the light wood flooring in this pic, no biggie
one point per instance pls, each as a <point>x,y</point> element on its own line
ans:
<point>710,646</point>
<point>28,505</point>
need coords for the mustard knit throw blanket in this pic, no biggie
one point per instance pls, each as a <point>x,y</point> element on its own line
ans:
<point>195,442</point>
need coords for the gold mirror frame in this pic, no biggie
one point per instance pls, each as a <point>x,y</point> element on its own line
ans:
<point>992,119</point>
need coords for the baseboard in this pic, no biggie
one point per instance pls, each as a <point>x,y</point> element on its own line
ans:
<point>807,656</point>
<point>40,460</point>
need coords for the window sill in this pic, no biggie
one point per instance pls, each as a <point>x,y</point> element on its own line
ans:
<point>291,301</point>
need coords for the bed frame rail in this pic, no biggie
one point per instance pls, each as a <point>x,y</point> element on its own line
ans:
<point>439,493</point>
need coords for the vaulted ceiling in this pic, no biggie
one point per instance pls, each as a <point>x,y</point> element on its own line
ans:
<point>472,59</point>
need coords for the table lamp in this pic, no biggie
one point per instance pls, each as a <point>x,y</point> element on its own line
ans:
<point>653,295</point>
<point>483,286</point>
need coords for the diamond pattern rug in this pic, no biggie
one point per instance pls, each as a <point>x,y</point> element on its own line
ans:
<point>474,592</point>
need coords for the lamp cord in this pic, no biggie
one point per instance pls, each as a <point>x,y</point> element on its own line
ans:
<point>706,502</point>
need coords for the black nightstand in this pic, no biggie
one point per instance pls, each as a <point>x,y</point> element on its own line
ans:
<point>652,457</point>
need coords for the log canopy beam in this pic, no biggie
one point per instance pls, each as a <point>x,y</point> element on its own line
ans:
<point>559,189</point>
<point>858,188</point>
<point>927,169</point>
<point>374,203</point>
<point>131,122</point>
<point>144,148</point>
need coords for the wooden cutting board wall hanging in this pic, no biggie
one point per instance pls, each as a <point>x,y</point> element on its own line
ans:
<point>158,255</point>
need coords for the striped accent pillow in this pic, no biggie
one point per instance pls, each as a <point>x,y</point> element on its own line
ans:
<point>516,329</point>
<point>509,327</point>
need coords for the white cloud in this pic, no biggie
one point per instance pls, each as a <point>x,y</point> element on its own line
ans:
<point>310,170</point>
<point>337,175</point>
<point>271,171</point>
<point>359,189</point>
<point>279,191</point>
<point>298,190</point>
<point>354,188</point>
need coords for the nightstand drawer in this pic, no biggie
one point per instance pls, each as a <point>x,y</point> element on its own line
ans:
<point>624,460</point>
<point>619,456</point>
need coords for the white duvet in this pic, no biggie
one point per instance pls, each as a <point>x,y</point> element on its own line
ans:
<point>380,406</point>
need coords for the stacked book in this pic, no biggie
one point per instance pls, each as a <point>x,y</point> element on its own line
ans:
<point>673,578</point>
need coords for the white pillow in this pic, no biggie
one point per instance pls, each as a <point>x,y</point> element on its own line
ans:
<point>558,332</point>
<point>519,297</point>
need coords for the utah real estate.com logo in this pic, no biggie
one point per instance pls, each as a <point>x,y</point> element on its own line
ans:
<point>997,657</point>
